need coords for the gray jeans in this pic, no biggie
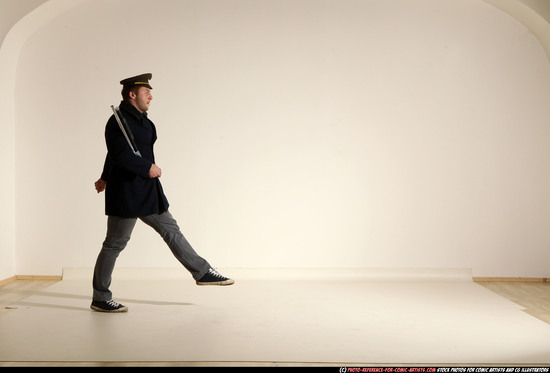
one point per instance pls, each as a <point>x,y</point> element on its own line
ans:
<point>119,231</point>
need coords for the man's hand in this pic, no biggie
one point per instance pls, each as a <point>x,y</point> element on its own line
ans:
<point>100,185</point>
<point>154,171</point>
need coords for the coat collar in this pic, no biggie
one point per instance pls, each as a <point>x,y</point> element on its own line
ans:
<point>131,109</point>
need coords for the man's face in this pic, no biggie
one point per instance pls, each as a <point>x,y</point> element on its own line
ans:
<point>142,99</point>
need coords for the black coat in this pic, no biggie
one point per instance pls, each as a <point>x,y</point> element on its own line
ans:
<point>130,192</point>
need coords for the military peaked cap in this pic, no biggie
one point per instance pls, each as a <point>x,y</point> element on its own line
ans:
<point>140,80</point>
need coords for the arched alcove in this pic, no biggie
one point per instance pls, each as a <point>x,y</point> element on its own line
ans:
<point>295,133</point>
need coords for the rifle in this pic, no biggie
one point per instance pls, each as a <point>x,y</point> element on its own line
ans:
<point>125,130</point>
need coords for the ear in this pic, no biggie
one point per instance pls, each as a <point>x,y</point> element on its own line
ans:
<point>132,94</point>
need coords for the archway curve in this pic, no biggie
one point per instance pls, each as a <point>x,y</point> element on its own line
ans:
<point>34,21</point>
<point>527,16</point>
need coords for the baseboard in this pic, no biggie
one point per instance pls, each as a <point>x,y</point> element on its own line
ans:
<point>29,277</point>
<point>511,279</point>
<point>7,280</point>
<point>475,279</point>
<point>286,274</point>
<point>33,277</point>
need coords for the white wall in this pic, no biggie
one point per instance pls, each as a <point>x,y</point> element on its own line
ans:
<point>12,39</point>
<point>7,190</point>
<point>308,133</point>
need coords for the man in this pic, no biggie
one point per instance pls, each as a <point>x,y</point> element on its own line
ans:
<point>133,191</point>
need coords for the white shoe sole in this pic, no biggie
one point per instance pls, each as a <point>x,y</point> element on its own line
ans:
<point>118,310</point>
<point>218,283</point>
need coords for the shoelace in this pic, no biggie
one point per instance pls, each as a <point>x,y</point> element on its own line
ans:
<point>112,303</point>
<point>214,273</point>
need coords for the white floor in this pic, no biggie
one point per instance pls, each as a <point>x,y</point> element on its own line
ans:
<point>323,316</point>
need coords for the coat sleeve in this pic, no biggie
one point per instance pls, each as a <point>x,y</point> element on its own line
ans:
<point>119,151</point>
<point>106,169</point>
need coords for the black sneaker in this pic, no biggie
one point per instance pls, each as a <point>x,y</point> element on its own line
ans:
<point>214,278</point>
<point>108,306</point>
